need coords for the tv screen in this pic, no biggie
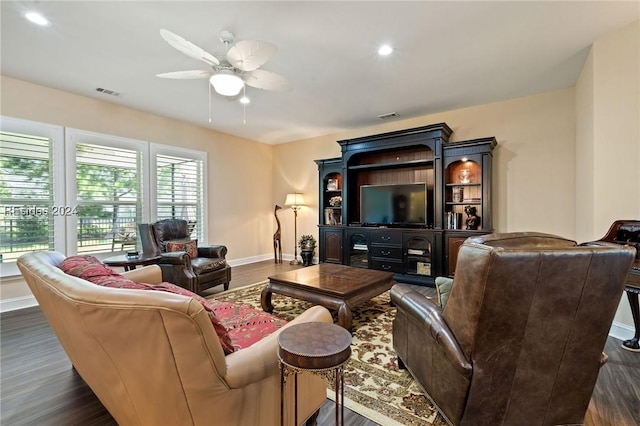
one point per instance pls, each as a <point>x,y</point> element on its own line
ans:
<point>393,204</point>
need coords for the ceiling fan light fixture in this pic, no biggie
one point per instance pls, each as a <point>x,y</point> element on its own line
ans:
<point>37,19</point>
<point>226,83</point>
<point>385,50</point>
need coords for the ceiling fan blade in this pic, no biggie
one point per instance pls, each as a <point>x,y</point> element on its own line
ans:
<point>249,55</point>
<point>188,48</point>
<point>186,75</point>
<point>267,80</point>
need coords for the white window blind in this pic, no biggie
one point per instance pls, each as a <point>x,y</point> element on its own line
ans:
<point>109,197</point>
<point>26,194</point>
<point>180,190</point>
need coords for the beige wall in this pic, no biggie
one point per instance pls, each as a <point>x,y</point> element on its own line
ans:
<point>534,166</point>
<point>608,138</point>
<point>239,170</point>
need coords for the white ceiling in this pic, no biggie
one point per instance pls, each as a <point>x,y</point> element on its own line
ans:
<point>447,55</point>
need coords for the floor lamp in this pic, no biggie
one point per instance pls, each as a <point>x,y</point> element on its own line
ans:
<point>296,202</point>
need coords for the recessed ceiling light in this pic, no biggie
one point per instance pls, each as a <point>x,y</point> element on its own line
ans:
<point>37,18</point>
<point>245,100</point>
<point>385,50</point>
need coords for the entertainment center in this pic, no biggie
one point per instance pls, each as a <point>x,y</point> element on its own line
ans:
<point>404,201</point>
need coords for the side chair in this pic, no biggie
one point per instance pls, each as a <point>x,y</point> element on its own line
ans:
<point>520,338</point>
<point>183,262</point>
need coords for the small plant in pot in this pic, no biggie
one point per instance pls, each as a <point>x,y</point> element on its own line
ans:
<point>307,244</point>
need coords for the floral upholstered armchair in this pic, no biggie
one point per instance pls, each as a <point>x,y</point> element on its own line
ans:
<point>183,262</point>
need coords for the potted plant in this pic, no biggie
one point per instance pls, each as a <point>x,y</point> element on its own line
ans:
<point>307,244</point>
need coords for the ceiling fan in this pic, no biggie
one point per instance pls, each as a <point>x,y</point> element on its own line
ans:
<point>240,67</point>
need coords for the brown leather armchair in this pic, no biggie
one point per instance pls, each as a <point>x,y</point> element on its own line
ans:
<point>520,338</point>
<point>208,269</point>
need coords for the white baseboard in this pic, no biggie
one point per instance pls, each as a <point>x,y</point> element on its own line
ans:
<point>16,303</point>
<point>247,260</point>
<point>621,331</point>
<point>260,258</point>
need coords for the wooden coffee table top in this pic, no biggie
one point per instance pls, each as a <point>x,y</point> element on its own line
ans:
<point>328,278</point>
<point>333,286</point>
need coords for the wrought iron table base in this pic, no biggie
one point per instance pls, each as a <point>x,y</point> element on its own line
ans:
<point>338,377</point>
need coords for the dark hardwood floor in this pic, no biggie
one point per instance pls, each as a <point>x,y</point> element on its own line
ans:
<point>39,387</point>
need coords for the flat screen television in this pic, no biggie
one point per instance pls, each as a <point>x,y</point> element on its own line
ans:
<point>397,204</point>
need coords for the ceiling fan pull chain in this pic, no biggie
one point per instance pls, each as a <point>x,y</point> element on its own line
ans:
<point>209,103</point>
<point>244,105</point>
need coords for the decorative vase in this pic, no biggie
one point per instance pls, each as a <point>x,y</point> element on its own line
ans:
<point>307,257</point>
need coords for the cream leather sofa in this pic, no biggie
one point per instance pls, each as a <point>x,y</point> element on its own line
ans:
<point>153,358</point>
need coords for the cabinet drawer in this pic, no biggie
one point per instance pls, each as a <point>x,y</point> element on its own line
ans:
<point>387,265</point>
<point>387,252</point>
<point>386,237</point>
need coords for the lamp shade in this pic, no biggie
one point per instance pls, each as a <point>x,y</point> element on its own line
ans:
<point>226,83</point>
<point>294,200</point>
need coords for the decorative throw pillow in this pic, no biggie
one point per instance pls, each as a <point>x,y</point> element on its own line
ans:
<point>93,270</point>
<point>86,267</point>
<point>443,287</point>
<point>190,246</point>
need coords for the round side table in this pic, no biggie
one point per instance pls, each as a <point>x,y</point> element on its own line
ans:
<point>316,347</point>
<point>129,263</point>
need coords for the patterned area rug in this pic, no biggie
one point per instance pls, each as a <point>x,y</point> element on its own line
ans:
<point>374,386</point>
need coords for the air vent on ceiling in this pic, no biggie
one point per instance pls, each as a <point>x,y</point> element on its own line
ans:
<point>107,91</point>
<point>388,115</point>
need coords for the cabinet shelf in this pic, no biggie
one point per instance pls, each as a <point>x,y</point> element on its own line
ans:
<point>464,203</point>
<point>463,184</point>
<point>394,165</point>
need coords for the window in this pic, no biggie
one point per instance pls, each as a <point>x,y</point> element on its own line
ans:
<point>75,191</point>
<point>108,194</point>
<point>107,188</point>
<point>180,188</point>
<point>29,204</point>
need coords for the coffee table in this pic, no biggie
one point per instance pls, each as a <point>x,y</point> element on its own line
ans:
<point>333,286</point>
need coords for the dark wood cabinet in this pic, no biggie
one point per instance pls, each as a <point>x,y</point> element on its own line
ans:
<point>452,243</point>
<point>457,201</point>
<point>386,250</point>
<point>330,244</point>
<point>356,247</point>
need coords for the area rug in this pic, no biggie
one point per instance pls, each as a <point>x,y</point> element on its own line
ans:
<point>374,386</point>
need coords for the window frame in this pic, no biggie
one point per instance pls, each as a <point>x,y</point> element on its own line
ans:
<point>158,149</point>
<point>57,137</point>
<point>75,136</point>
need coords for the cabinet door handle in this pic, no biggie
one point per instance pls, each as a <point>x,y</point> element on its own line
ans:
<point>385,253</point>
<point>385,238</point>
<point>386,267</point>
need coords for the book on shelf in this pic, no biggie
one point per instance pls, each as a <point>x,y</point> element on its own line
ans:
<point>360,247</point>
<point>416,252</point>
<point>423,268</point>
<point>454,220</point>
<point>472,200</point>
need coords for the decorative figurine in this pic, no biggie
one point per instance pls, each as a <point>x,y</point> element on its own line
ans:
<point>473,221</point>
<point>277,243</point>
